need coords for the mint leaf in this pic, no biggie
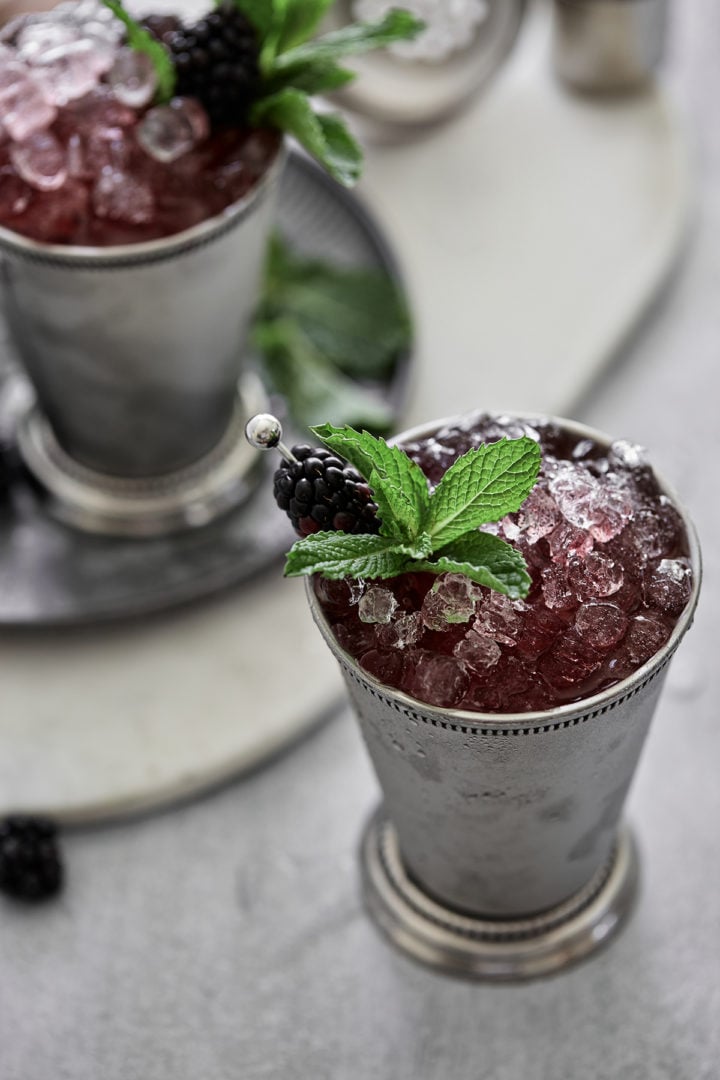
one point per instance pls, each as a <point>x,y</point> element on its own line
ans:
<point>263,14</point>
<point>352,40</point>
<point>141,40</point>
<point>339,555</point>
<point>323,135</point>
<point>314,77</point>
<point>483,558</point>
<point>483,485</point>
<point>310,383</point>
<point>356,317</point>
<point>301,20</point>
<point>394,478</point>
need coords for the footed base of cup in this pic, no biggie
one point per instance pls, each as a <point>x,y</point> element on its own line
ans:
<point>494,949</point>
<point>150,506</point>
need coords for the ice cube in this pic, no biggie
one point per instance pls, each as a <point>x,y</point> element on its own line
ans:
<point>23,105</point>
<point>385,665</point>
<point>646,634</point>
<point>567,542</point>
<point>539,631</point>
<point>41,161</point>
<point>167,132</point>
<point>95,112</point>
<point>538,515</point>
<point>377,605</point>
<point>612,509</point>
<point>556,589</point>
<point>402,632</point>
<point>667,586</point>
<point>496,617</point>
<point>36,38</point>
<point>652,533</point>
<point>509,527</point>
<point>601,625</point>
<point>107,150</point>
<point>357,589</point>
<point>569,662</point>
<point>573,490</point>
<point>627,455</point>
<point>73,70</point>
<point>234,180</point>
<point>600,505</point>
<point>122,197</point>
<point>109,33</point>
<point>478,651</point>
<point>438,680</point>
<point>133,78</point>
<point>594,577</point>
<point>451,600</point>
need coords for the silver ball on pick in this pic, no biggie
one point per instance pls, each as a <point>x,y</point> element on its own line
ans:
<point>264,432</point>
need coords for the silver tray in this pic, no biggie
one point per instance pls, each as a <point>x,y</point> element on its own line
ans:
<point>51,574</point>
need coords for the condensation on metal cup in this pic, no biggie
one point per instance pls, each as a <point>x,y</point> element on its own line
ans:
<point>135,353</point>
<point>608,46</point>
<point>497,851</point>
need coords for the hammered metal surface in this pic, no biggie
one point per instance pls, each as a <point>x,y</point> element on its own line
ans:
<point>51,574</point>
<point>510,821</point>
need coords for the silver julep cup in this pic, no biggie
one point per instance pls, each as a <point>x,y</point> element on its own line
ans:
<point>498,850</point>
<point>134,352</point>
<point>608,46</point>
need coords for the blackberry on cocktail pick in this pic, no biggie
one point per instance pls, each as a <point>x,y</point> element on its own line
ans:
<point>318,491</point>
<point>216,61</point>
<point>30,866</point>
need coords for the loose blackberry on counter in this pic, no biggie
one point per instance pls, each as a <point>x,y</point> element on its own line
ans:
<point>30,865</point>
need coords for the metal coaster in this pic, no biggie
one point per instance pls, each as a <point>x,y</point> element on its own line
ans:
<point>115,506</point>
<point>56,575</point>
<point>494,949</point>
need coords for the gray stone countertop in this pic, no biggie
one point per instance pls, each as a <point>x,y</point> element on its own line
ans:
<point>225,938</point>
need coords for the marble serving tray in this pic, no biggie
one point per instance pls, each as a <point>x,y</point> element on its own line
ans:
<point>534,231</point>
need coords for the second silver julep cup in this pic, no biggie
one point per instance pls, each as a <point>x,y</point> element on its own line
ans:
<point>134,352</point>
<point>498,850</point>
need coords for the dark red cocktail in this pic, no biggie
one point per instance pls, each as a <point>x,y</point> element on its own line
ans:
<point>608,557</point>
<point>87,159</point>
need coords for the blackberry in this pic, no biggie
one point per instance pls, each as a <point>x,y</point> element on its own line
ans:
<point>30,867</point>
<point>216,61</point>
<point>319,491</point>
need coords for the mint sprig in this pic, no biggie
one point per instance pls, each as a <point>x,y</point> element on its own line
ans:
<point>292,68</point>
<point>424,530</point>
<point>141,40</point>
